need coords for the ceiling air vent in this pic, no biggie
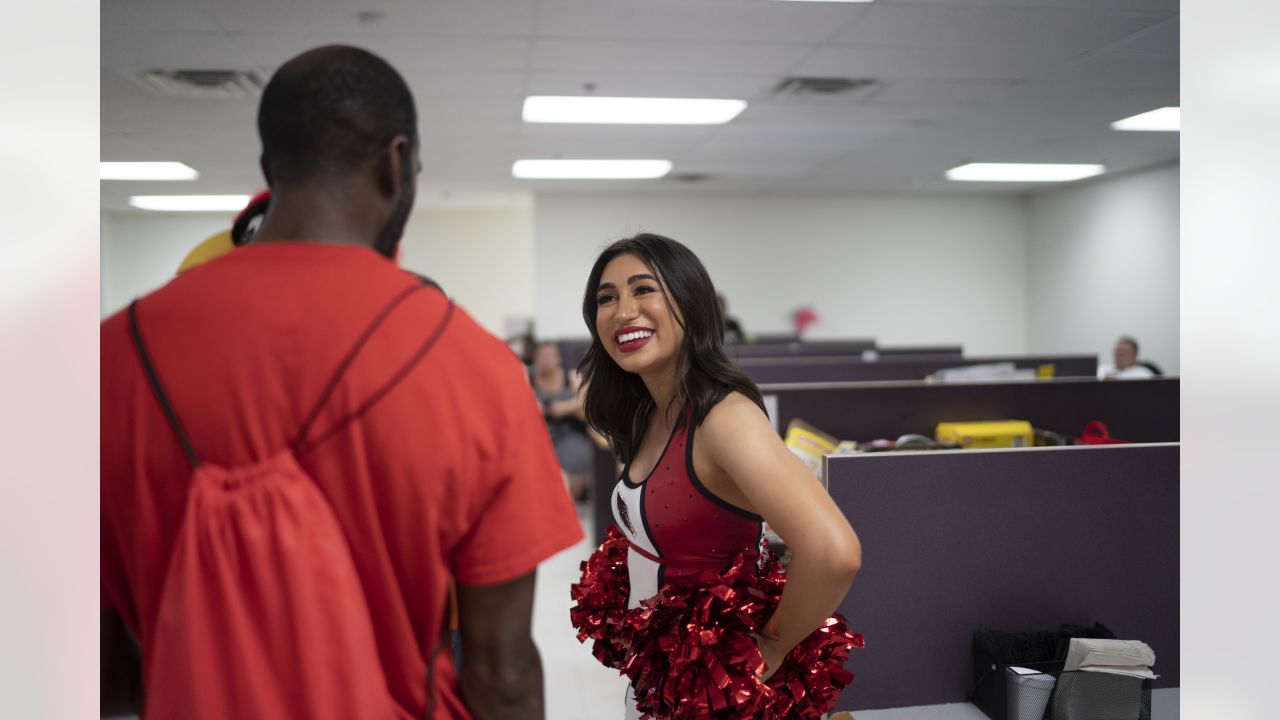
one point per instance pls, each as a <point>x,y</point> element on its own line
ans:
<point>214,84</point>
<point>688,177</point>
<point>826,87</point>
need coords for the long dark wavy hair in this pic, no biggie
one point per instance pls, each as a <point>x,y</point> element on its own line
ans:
<point>617,403</point>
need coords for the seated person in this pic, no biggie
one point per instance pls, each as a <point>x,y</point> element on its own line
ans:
<point>733,332</point>
<point>559,392</point>
<point>1126,365</point>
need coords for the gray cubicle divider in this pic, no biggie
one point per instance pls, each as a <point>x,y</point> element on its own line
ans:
<point>1141,411</point>
<point>1009,540</point>
<point>572,350</point>
<point>843,368</point>
<point>890,350</point>
<point>853,346</point>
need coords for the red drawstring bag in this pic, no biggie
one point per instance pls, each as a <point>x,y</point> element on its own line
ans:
<point>1095,433</point>
<point>263,614</point>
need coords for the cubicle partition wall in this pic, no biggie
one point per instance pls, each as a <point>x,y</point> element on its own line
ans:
<point>808,348</point>
<point>891,350</point>
<point>1142,411</point>
<point>572,351</point>
<point>843,368</point>
<point>1008,540</point>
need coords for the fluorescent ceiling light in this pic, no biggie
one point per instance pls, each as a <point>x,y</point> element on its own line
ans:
<point>848,1</point>
<point>591,169</point>
<point>190,203</point>
<point>145,171</point>
<point>630,110</point>
<point>1022,172</point>
<point>1165,119</point>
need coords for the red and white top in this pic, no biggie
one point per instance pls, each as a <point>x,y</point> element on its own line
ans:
<point>675,525</point>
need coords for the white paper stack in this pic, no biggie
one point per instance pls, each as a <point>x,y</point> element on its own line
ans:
<point>1121,657</point>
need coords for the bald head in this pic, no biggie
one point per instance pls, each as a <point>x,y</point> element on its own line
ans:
<point>328,112</point>
<point>1125,353</point>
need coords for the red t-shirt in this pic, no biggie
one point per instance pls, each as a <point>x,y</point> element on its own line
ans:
<point>451,475</point>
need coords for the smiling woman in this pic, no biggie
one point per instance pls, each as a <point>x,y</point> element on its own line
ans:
<point>690,515</point>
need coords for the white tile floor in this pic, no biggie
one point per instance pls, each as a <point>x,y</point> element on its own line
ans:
<point>579,688</point>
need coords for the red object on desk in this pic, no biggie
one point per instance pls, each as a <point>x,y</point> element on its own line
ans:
<point>803,318</point>
<point>1095,433</point>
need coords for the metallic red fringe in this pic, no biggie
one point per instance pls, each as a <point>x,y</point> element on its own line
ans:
<point>689,650</point>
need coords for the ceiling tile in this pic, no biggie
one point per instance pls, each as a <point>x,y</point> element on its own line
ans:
<point>693,58</point>
<point>409,54</point>
<point>1160,39</point>
<point>717,21</point>
<point>119,147</point>
<point>121,48</point>
<point>959,28</point>
<point>1164,6</point>
<point>1112,71</point>
<point>609,83</point>
<point>338,17</point>
<point>591,141</point>
<point>961,80</point>
<point>435,83</point>
<point>150,15</point>
<point>928,63</point>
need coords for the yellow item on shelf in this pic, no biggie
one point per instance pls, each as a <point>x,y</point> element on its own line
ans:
<point>1046,370</point>
<point>988,434</point>
<point>809,444</point>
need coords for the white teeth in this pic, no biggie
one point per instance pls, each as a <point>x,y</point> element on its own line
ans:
<point>628,337</point>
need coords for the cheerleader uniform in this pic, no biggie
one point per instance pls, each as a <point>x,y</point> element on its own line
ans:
<point>675,526</point>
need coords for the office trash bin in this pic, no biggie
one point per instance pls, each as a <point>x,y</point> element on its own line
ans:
<point>1042,650</point>
<point>1027,692</point>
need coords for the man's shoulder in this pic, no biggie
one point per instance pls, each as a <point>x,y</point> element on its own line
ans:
<point>478,345</point>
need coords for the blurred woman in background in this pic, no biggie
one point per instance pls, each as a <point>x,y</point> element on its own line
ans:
<point>559,393</point>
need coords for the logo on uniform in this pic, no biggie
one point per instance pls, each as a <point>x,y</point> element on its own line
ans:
<point>625,514</point>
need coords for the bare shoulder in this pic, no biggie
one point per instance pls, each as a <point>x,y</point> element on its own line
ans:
<point>735,418</point>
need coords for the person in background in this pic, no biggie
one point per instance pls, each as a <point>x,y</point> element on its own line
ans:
<point>559,392</point>
<point>1126,365</point>
<point>307,361</point>
<point>703,467</point>
<point>732,328</point>
<point>523,345</point>
<point>241,231</point>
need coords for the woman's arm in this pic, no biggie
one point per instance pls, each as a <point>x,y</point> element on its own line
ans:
<point>825,552</point>
<point>573,406</point>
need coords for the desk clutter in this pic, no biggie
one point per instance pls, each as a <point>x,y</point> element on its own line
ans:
<point>1074,673</point>
<point>811,444</point>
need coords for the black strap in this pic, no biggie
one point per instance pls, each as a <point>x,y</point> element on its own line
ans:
<point>346,361</point>
<point>154,380</point>
<point>303,444</point>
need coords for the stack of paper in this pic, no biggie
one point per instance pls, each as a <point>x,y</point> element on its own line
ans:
<point>1121,657</point>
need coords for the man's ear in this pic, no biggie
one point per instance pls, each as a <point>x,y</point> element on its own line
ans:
<point>391,166</point>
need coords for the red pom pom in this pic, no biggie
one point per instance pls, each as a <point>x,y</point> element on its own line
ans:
<point>689,651</point>
<point>601,597</point>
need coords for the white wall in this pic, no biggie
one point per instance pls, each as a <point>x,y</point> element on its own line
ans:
<point>904,269</point>
<point>482,257</point>
<point>1103,262</point>
<point>142,252</point>
<point>1064,271</point>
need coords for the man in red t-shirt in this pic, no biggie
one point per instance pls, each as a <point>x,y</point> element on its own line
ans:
<point>449,477</point>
